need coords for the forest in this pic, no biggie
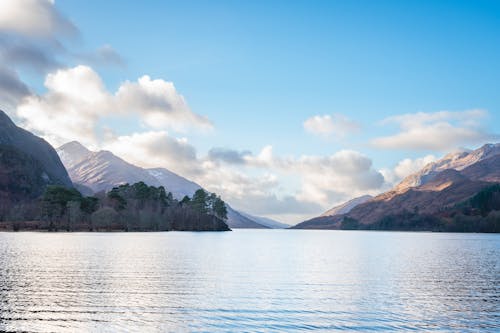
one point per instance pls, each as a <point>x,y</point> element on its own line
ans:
<point>136,207</point>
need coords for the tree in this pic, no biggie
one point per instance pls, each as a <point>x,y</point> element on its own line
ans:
<point>54,204</point>
<point>199,201</point>
<point>185,201</point>
<point>219,208</point>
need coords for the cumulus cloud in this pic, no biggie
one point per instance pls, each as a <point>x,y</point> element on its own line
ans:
<point>159,104</point>
<point>405,168</point>
<point>336,125</point>
<point>323,179</point>
<point>156,149</point>
<point>70,109</point>
<point>37,18</point>
<point>256,194</point>
<point>331,179</point>
<point>438,131</point>
<point>77,99</point>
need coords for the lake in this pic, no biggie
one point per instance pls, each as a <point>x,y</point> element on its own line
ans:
<point>249,280</point>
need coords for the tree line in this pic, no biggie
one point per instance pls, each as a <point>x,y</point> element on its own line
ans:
<point>136,207</point>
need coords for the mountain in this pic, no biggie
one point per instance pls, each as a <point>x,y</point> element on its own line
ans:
<point>179,186</point>
<point>442,185</point>
<point>102,170</point>
<point>267,222</point>
<point>36,148</point>
<point>457,161</point>
<point>28,164</point>
<point>238,220</point>
<point>347,206</point>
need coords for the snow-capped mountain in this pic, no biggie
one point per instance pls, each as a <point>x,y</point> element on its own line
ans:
<point>457,161</point>
<point>102,170</point>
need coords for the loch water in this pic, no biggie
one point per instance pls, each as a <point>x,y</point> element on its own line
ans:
<point>249,281</point>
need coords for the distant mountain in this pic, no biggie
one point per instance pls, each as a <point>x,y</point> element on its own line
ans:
<point>347,206</point>
<point>440,186</point>
<point>179,186</point>
<point>102,170</point>
<point>267,222</point>
<point>457,161</point>
<point>36,148</point>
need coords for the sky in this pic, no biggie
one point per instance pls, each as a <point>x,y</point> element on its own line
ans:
<point>285,108</point>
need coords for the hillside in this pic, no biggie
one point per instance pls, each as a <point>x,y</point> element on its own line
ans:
<point>28,164</point>
<point>35,147</point>
<point>439,190</point>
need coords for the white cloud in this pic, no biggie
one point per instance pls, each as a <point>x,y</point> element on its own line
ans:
<point>331,125</point>
<point>76,100</point>
<point>159,103</point>
<point>405,168</point>
<point>156,149</point>
<point>71,108</point>
<point>333,178</point>
<point>324,180</point>
<point>438,131</point>
<point>33,18</point>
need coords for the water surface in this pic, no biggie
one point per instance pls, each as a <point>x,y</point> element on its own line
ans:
<point>249,280</point>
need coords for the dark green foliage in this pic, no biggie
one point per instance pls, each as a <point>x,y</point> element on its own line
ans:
<point>61,207</point>
<point>89,204</point>
<point>349,224</point>
<point>199,202</point>
<point>207,203</point>
<point>219,208</point>
<point>486,200</point>
<point>136,207</point>
<point>186,200</point>
<point>408,222</point>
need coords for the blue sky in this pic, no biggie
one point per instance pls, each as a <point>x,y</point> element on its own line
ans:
<point>257,70</point>
<point>265,66</point>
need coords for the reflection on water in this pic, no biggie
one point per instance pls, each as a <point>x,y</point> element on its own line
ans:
<point>261,280</point>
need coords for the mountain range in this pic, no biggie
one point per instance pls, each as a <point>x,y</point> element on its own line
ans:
<point>439,186</point>
<point>102,170</point>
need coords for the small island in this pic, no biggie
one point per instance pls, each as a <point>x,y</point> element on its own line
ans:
<point>136,207</point>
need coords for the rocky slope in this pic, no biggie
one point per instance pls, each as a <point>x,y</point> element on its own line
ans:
<point>36,148</point>
<point>102,170</point>
<point>441,185</point>
<point>457,161</point>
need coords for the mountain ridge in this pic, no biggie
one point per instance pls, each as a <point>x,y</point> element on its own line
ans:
<point>102,170</point>
<point>439,188</point>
